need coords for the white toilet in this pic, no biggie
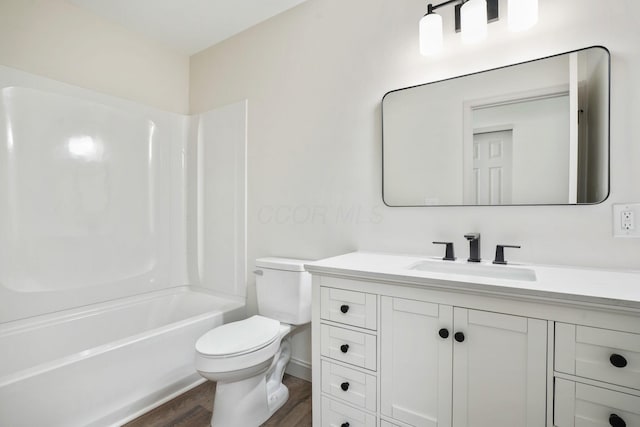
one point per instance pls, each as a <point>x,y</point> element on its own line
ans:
<point>247,358</point>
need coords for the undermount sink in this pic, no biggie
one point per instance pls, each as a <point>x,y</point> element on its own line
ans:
<point>472,269</point>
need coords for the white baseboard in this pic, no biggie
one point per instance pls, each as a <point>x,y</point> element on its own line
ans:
<point>299,369</point>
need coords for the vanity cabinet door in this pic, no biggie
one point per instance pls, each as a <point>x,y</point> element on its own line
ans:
<point>499,370</point>
<point>415,362</point>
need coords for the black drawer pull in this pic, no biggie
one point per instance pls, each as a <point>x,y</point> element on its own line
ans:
<point>344,308</point>
<point>459,336</point>
<point>344,386</point>
<point>618,361</point>
<point>444,333</point>
<point>344,425</point>
<point>344,348</point>
<point>616,421</point>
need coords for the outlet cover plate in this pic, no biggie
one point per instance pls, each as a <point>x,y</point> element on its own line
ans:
<point>619,229</point>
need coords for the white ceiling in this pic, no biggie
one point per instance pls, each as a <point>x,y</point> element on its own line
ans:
<point>187,25</point>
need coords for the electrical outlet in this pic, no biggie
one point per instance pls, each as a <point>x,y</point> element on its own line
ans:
<point>627,220</point>
<point>624,223</point>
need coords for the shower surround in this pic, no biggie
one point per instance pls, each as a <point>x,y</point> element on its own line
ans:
<point>108,212</point>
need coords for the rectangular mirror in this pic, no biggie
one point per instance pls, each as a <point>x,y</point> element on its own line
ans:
<point>535,133</point>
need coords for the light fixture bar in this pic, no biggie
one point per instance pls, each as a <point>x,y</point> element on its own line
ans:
<point>431,7</point>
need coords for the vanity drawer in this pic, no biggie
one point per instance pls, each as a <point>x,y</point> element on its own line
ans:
<point>338,414</point>
<point>581,405</point>
<point>599,354</point>
<point>348,307</point>
<point>349,385</point>
<point>356,348</point>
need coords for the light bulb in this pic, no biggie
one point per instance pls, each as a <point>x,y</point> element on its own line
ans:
<point>522,14</point>
<point>473,21</point>
<point>430,34</point>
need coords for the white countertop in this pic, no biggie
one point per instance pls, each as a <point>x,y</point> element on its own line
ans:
<point>589,285</point>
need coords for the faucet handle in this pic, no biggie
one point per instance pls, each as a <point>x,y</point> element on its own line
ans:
<point>500,253</point>
<point>448,252</point>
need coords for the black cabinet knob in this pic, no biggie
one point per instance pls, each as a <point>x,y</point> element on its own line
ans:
<point>444,333</point>
<point>616,421</point>
<point>344,308</point>
<point>344,425</point>
<point>344,386</point>
<point>344,348</point>
<point>459,336</point>
<point>618,361</point>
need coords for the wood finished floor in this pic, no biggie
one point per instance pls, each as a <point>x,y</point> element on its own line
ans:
<point>193,408</point>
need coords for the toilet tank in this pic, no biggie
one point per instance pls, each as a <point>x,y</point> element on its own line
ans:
<point>283,290</point>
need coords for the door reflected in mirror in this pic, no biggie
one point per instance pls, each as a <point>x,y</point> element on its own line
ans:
<point>531,133</point>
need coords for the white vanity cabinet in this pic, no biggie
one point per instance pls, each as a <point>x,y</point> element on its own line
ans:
<point>345,336</point>
<point>597,377</point>
<point>437,365</point>
<point>499,370</point>
<point>414,360</point>
<point>412,349</point>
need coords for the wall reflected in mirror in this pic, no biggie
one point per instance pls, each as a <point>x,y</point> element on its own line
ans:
<point>527,134</point>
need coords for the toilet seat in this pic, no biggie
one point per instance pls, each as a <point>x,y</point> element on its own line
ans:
<point>243,345</point>
<point>238,338</point>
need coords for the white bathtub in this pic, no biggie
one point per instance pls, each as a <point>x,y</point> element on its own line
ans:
<point>105,364</point>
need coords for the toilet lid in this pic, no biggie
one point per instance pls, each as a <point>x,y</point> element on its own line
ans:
<point>243,336</point>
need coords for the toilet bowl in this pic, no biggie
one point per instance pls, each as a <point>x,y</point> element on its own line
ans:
<point>247,358</point>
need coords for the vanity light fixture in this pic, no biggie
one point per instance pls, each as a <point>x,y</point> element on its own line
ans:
<point>473,21</point>
<point>430,32</point>
<point>471,18</point>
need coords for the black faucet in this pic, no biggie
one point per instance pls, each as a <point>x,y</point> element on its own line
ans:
<point>474,246</point>
<point>448,253</point>
<point>500,253</point>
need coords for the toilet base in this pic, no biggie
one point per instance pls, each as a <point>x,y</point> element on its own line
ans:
<point>252,401</point>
